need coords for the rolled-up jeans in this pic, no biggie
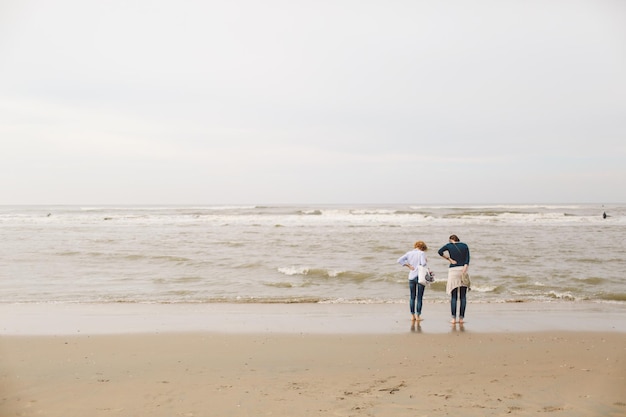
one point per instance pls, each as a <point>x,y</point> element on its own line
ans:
<point>453,297</point>
<point>417,293</point>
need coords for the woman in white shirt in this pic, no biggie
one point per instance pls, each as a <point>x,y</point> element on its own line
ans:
<point>412,259</point>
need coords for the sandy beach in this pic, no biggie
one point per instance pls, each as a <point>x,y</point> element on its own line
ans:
<point>149,367</point>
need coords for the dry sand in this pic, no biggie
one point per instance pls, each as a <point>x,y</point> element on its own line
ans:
<point>412,372</point>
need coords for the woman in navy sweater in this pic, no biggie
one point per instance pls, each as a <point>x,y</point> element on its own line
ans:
<point>458,254</point>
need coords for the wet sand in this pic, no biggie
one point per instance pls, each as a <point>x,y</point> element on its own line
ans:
<point>311,360</point>
<point>55,319</point>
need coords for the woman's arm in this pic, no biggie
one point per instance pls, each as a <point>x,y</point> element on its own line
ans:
<point>443,250</point>
<point>404,261</point>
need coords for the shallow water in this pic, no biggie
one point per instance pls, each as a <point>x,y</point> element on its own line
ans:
<point>331,254</point>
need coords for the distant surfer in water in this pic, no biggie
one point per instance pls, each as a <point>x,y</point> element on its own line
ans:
<point>604,215</point>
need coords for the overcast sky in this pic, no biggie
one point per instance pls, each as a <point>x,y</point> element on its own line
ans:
<point>251,102</point>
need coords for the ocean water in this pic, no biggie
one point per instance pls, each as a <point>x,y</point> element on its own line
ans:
<point>296,254</point>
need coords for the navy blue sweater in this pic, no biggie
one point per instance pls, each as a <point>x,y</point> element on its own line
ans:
<point>458,251</point>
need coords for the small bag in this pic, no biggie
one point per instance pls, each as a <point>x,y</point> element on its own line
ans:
<point>465,280</point>
<point>424,276</point>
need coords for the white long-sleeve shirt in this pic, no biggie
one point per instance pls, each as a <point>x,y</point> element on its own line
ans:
<point>414,258</point>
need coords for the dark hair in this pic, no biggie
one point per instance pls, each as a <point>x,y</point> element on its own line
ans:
<point>454,238</point>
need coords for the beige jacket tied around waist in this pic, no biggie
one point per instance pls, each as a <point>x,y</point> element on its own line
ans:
<point>454,278</point>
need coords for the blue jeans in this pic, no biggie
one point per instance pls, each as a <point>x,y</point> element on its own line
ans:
<point>417,291</point>
<point>453,297</point>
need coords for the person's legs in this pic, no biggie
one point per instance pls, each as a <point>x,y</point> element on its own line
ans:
<point>413,289</point>
<point>463,296</point>
<point>420,295</point>
<point>453,297</point>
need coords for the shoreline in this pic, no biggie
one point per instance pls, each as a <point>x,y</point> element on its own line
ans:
<point>68,319</point>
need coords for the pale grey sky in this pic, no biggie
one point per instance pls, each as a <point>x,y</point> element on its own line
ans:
<point>250,102</point>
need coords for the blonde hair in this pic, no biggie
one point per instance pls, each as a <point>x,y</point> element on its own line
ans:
<point>420,245</point>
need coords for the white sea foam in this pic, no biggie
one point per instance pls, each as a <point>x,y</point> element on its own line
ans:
<point>294,270</point>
